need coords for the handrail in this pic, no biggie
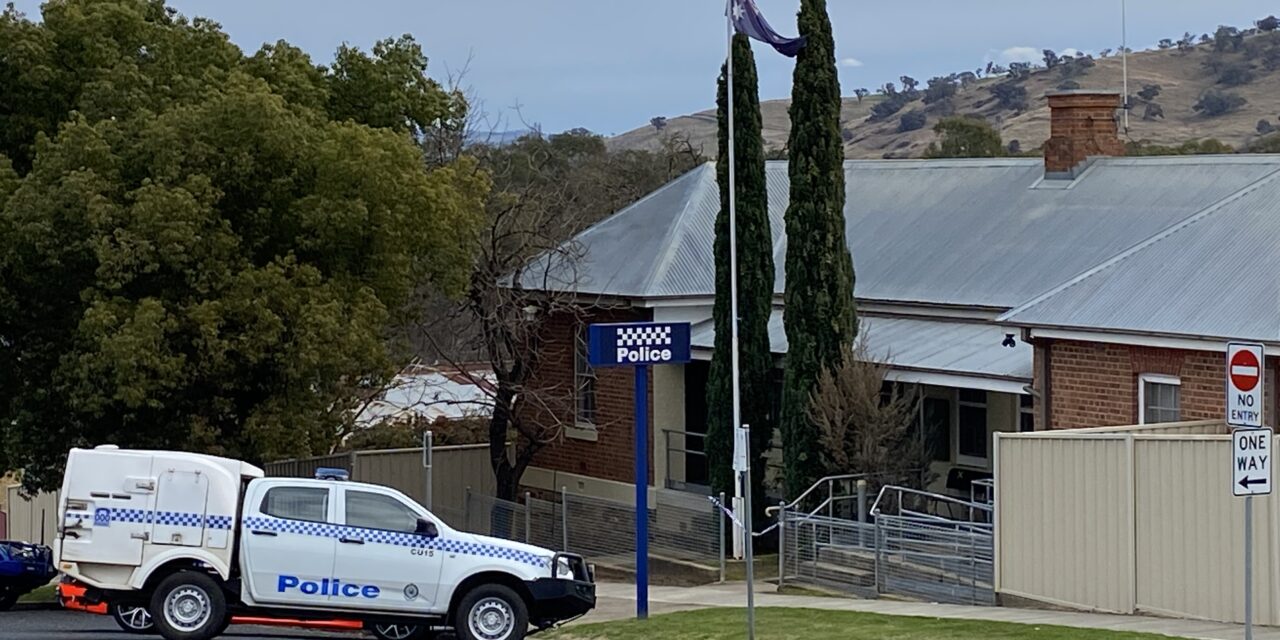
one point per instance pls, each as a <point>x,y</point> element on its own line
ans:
<point>821,481</point>
<point>875,507</point>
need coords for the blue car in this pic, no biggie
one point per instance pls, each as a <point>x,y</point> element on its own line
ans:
<point>23,568</point>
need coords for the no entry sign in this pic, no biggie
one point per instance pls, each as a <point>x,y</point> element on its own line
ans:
<point>1244,384</point>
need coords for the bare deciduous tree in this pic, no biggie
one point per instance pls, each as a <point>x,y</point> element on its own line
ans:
<point>868,425</point>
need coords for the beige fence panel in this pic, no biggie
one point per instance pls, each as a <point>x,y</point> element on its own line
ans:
<point>1132,519</point>
<point>306,467</point>
<point>454,468</point>
<point>32,520</point>
<point>1064,516</point>
<point>1190,533</point>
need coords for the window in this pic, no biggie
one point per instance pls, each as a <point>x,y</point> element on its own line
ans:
<point>972,437</point>
<point>376,511</point>
<point>584,381</point>
<point>297,503</point>
<point>936,417</point>
<point>1026,413</point>
<point>1159,398</point>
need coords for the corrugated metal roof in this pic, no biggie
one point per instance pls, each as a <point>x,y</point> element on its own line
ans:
<point>981,232</point>
<point>920,344</point>
<point>1217,274</point>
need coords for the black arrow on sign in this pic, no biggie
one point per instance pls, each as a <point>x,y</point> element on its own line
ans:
<point>1246,481</point>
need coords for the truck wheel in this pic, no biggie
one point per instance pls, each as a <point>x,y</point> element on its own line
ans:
<point>133,619</point>
<point>491,612</point>
<point>400,632</point>
<point>7,600</point>
<point>188,606</point>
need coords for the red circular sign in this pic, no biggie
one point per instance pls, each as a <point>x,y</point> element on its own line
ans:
<point>1244,370</point>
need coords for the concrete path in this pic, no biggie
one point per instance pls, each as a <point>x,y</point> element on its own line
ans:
<point>617,601</point>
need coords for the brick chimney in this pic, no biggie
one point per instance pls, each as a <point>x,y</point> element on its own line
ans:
<point>1082,123</point>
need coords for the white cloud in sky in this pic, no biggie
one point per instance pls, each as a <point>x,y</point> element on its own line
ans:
<point>851,62</point>
<point>1016,54</point>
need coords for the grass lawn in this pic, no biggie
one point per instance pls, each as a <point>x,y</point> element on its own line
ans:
<point>46,593</point>
<point>815,624</point>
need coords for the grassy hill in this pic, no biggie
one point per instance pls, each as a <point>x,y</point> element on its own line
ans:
<point>1183,77</point>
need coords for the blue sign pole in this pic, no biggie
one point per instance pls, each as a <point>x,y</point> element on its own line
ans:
<point>642,491</point>
<point>640,345</point>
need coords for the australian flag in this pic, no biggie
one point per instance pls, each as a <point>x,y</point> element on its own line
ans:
<point>748,21</point>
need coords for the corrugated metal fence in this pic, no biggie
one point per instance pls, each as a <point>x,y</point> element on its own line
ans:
<point>1130,520</point>
<point>453,470</point>
<point>31,520</point>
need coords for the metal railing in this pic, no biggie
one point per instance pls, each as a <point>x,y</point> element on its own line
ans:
<point>913,547</point>
<point>682,527</point>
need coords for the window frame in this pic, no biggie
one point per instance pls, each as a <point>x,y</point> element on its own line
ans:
<point>407,504</point>
<point>1027,409</point>
<point>964,459</point>
<point>328,503</point>
<point>1156,378</point>
<point>585,381</point>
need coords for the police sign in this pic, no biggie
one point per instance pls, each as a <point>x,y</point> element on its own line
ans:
<point>638,343</point>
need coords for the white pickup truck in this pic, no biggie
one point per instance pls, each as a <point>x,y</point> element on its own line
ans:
<point>197,539</point>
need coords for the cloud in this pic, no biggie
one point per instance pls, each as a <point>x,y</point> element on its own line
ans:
<point>1016,54</point>
<point>851,62</point>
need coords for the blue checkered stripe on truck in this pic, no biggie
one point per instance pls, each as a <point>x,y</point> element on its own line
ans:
<point>171,518</point>
<point>396,538</point>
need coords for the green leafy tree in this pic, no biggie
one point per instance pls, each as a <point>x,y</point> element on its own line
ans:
<point>821,320</point>
<point>195,253</point>
<point>965,137</point>
<point>755,284</point>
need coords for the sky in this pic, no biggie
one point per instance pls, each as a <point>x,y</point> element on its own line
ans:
<point>611,65</point>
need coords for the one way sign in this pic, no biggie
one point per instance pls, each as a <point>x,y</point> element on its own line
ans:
<point>1251,462</point>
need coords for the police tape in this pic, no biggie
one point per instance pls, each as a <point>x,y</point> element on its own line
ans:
<point>727,511</point>
<point>734,518</point>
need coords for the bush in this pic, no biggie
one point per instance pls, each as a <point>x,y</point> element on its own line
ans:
<point>1268,144</point>
<point>1235,74</point>
<point>1213,103</point>
<point>1010,95</point>
<point>892,103</point>
<point>1152,111</point>
<point>1149,92</point>
<point>911,121</point>
<point>1069,85</point>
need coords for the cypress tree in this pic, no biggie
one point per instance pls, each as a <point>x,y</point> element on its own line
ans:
<point>755,284</point>
<point>820,319</point>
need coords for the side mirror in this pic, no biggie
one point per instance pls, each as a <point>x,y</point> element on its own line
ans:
<point>427,528</point>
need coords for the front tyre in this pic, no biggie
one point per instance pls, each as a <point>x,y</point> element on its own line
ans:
<point>189,606</point>
<point>133,619</point>
<point>491,612</point>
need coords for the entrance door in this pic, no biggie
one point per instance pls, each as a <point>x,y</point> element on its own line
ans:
<point>379,548</point>
<point>287,547</point>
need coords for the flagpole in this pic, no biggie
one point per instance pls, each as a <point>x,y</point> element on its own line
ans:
<point>745,484</point>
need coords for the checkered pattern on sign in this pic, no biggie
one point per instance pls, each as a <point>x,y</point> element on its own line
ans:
<point>396,538</point>
<point>644,336</point>
<point>171,518</point>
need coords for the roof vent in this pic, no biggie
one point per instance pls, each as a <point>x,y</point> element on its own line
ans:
<point>1082,125</point>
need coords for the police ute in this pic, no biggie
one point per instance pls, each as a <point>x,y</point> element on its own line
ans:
<point>196,539</point>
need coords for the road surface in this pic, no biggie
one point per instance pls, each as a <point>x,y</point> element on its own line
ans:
<point>75,625</point>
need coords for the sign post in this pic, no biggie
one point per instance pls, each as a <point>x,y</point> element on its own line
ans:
<point>639,345</point>
<point>742,466</point>
<point>1250,448</point>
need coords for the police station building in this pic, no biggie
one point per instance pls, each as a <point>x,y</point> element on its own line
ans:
<point>1081,289</point>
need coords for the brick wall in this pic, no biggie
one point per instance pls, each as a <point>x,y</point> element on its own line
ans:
<point>610,456</point>
<point>1096,384</point>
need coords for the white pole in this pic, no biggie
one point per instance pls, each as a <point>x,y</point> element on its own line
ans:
<point>733,261</point>
<point>1124,58</point>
